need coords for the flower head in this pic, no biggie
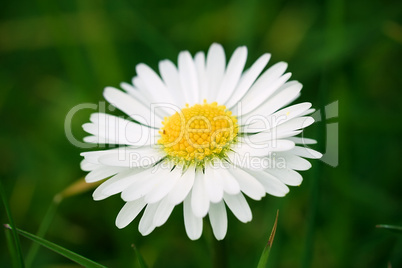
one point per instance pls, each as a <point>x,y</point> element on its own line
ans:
<point>204,134</point>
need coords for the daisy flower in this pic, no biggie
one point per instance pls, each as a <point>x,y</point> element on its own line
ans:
<point>205,134</point>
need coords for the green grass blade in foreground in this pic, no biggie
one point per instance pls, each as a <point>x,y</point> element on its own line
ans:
<point>16,241</point>
<point>139,256</point>
<point>11,247</point>
<point>393,228</point>
<point>58,249</point>
<point>73,189</point>
<point>46,222</point>
<point>265,253</point>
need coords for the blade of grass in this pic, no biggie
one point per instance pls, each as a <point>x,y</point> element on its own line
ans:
<point>393,228</point>
<point>11,248</point>
<point>16,241</point>
<point>44,226</point>
<point>265,253</point>
<point>75,188</point>
<point>58,249</point>
<point>139,257</point>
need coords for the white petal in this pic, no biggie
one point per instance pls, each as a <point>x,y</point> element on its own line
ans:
<point>143,90</point>
<point>158,106</point>
<point>102,140</point>
<point>156,88</point>
<point>294,161</point>
<point>230,184</point>
<point>277,118</point>
<point>302,140</point>
<point>137,94</point>
<point>247,80</point>
<point>171,78</point>
<point>309,111</point>
<point>122,181</point>
<point>161,107</point>
<point>115,130</point>
<point>264,87</point>
<point>295,124</point>
<point>97,195</point>
<point>248,184</point>
<point>287,176</point>
<point>266,136</point>
<point>215,68</point>
<point>88,166</point>
<point>182,187</point>
<point>264,149</point>
<point>144,156</point>
<point>199,196</point>
<point>199,61</point>
<point>132,107</point>
<point>162,212</point>
<point>232,74</point>
<point>93,156</point>
<point>146,225</point>
<point>284,95</point>
<point>239,206</point>
<point>305,152</point>
<point>116,184</point>
<point>144,185</point>
<point>213,183</point>
<point>261,99</point>
<point>192,223</point>
<point>288,113</point>
<point>102,172</point>
<point>93,139</point>
<point>272,185</point>
<point>129,212</point>
<point>163,187</point>
<point>218,219</point>
<point>188,77</point>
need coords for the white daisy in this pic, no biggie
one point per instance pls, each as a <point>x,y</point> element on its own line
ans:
<point>203,134</point>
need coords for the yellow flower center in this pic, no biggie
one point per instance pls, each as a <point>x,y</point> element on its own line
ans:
<point>198,133</point>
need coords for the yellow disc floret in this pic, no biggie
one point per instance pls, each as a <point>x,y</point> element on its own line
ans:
<point>198,133</point>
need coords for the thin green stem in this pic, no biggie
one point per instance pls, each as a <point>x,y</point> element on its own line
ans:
<point>141,260</point>
<point>43,228</point>
<point>59,249</point>
<point>267,249</point>
<point>11,248</point>
<point>16,241</point>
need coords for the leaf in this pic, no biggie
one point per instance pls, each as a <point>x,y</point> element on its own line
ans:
<point>44,226</point>
<point>393,228</point>
<point>75,188</point>
<point>265,253</point>
<point>139,256</point>
<point>11,247</point>
<point>58,249</point>
<point>15,242</point>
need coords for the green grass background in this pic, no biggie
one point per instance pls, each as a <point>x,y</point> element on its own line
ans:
<point>57,54</point>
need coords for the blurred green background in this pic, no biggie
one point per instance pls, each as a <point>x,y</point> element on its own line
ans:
<point>57,54</point>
